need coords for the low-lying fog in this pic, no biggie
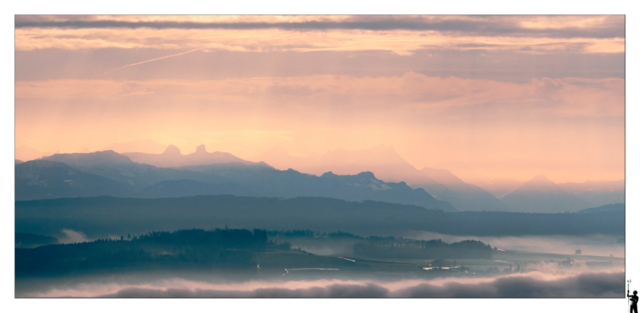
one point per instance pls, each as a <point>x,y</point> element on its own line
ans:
<point>539,277</point>
<point>520,285</point>
<point>597,245</point>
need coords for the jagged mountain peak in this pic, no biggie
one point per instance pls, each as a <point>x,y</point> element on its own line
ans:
<point>98,157</point>
<point>541,179</point>
<point>172,150</point>
<point>201,149</point>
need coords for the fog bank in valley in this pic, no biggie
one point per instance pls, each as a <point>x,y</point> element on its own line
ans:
<point>600,245</point>
<point>524,285</point>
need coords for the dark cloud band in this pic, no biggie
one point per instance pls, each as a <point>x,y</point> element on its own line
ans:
<point>484,27</point>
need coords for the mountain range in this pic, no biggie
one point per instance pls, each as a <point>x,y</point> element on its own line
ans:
<point>172,157</point>
<point>597,193</point>
<point>110,173</point>
<point>616,208</point>
<point>543,196</point>
<point>486,195</point>
<point>378,173</point>
<point>388,165</point>
<point>41,179</point>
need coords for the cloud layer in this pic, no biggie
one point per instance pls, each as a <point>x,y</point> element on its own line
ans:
<point>586,285</point>
<point>400,34</point>
<point>554,26</point>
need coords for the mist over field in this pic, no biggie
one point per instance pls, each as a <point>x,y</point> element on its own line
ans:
<point>312,264</point>
<point>602,245</point>
<point>166,247</point>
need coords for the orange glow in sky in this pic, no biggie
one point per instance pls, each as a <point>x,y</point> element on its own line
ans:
<point>486,97</point>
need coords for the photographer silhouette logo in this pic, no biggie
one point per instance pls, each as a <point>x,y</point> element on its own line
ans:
<point>633,308</point>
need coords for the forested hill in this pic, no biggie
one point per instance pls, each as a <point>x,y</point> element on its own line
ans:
<point>100,216</point>
<point>184,249</point>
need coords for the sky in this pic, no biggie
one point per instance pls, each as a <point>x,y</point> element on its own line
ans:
<point>497,97</point>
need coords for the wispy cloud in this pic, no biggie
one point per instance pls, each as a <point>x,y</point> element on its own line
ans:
<point>560,97</point>
<point>152,60</point>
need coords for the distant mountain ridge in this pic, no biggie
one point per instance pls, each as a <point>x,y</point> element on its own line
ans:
<point>498,187</point>
<point>120,168</point>
<point>90,159</point>
<point>42,179</point>
<point>597,193</point>
<point>110,173</point>
<point>609,208</point>
<point>173,157</point>
<point>471,196</point>
<point>389,166</point>
<point>204,173</point>
<point>540,195</point>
